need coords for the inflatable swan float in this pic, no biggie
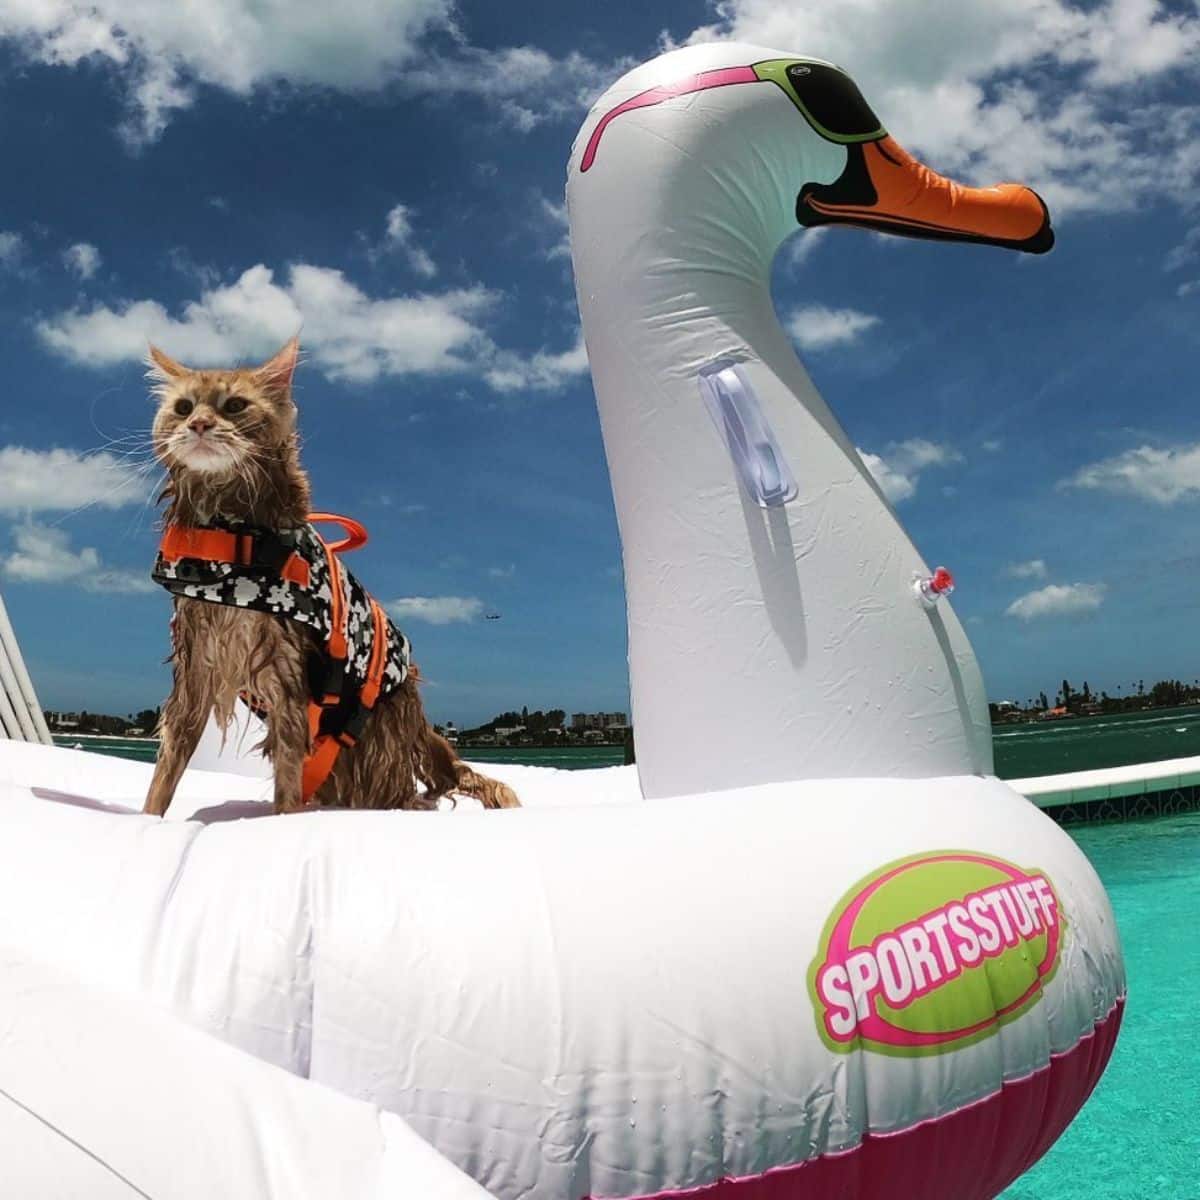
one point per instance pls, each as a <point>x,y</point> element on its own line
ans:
<point>809,948</point>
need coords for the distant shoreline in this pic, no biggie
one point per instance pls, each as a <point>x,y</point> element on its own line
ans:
<point>1091,716</point>
<point>123,737</point>
<point>101,737</point>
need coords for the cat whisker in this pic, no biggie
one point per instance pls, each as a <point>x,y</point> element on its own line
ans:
<point>140,512</point>
<point>135,474</point>
<point>92,408</point>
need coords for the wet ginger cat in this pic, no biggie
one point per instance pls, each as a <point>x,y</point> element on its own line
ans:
<point>228,441</point>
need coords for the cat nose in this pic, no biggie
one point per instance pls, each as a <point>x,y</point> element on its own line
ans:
<point>201,424</point>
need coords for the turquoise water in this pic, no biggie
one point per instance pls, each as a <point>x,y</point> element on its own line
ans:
<point>1082,743</point>
<point>572,758</point>
<point>1021,750</point>
<point>139,749</point>
<point>1138,1138</point>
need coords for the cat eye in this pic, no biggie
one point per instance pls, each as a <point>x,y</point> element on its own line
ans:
<point>183,407</point>
<point>235,404</point>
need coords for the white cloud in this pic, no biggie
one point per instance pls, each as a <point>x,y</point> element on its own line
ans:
<point>520,117</point>
<point>164,52</point>
<point>800,247</point>
<point>815,327</point>
<point>1035,568</point>
<point>44,555</point>
<point>541,372</point>
<point>347,334</point>
<point>1074,100</point>
<point>83,258</point>
<point>524,86</point>
<point>12,247</point>
<point>1057,600</point>
<point>249,317</point>
<point>896,487</point>
<point>352,336</point>
<point>127,582</point>
<point>204,274</point>
<point>399,237</point>
<point>387,500</point>
<point>1164,476</point>
<point>1187,251</point>
<point>62,480</point>
<point>992,445</point>
<point>898,469</point>
<point>436,610</point>
<point>556,218</point>
<point>502,572</point>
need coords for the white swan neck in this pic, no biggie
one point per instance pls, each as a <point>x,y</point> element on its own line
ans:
<point>766,643</point>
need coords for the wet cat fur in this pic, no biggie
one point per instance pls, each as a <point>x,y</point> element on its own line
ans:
<point>228,441</point>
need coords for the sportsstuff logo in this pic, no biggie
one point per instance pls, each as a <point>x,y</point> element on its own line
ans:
<point>934,952</point>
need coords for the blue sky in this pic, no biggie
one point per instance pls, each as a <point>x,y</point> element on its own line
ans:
<point>395,183</point>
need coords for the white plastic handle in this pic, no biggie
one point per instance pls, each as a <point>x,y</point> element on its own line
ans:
<point>736,410</point>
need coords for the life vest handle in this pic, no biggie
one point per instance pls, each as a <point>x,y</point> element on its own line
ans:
<point>356,534</point>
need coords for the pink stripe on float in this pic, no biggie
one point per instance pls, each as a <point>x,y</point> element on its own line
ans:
<point>973,1153</point>
<point>693,83</point>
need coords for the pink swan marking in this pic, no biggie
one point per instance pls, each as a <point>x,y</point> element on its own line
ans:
<point>722,77</point>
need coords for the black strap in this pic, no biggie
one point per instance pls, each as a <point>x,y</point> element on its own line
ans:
<point>266,549</point>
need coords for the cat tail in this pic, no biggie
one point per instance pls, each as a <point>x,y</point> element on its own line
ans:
<point>451,774</point>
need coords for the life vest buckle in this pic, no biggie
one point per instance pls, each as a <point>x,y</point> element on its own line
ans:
<point>352,728</point>
<point>266,550</point>
<point>333,682</point>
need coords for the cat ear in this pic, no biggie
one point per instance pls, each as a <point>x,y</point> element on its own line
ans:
<point>275,375</point>
<point>164,367</point>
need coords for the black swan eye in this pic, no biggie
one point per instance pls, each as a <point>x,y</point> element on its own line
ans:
<point>235,404</point>
<point>183,407</point>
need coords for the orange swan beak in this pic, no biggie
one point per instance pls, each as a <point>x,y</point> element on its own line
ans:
<point>884,188</point>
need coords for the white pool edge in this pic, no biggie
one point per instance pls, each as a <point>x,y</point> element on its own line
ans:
<point>1109,783</point>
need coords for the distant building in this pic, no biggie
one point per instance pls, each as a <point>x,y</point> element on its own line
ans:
<point>582,721</point>
<point>1056,714</point>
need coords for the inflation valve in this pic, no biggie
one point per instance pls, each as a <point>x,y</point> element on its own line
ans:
<point>931,588</point>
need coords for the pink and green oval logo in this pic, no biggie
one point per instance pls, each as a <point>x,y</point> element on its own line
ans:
<point>934,952</point>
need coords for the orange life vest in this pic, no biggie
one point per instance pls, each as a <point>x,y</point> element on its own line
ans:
<point>295,574</point>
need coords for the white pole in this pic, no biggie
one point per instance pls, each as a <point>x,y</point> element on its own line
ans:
<point>24,729</point>
<point>24,698</point>
<point>8,718</point>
